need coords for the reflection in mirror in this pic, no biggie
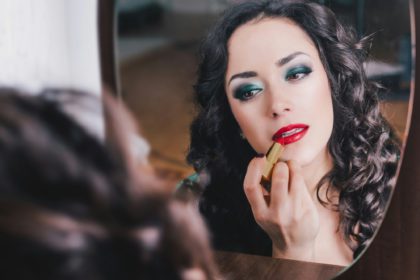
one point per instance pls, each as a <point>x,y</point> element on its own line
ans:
<point>157,46</point>
<point>158,54</point>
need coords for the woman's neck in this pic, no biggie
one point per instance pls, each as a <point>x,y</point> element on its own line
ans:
<point>314,171</point>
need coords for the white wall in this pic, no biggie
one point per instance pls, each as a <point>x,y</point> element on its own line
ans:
<point>83,44</point>
<point>52,43</point>
<point>49,43</point>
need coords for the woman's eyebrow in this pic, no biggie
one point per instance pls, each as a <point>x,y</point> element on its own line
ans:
<point>289,58</point>
<point>280,62</point>
<point>247,74</point>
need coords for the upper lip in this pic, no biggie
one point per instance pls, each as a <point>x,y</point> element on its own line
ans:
<point>288,128</point>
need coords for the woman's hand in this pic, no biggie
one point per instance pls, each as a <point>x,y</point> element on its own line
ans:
<point>290,217</point>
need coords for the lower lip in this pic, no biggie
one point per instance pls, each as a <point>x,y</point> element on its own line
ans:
<point>292,138</point>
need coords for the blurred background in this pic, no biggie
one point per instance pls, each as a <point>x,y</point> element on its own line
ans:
<point>157,47</point>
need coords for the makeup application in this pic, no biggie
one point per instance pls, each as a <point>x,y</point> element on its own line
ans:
<point>284,136</point>
<point>273,155</point>
<point>274,79</point>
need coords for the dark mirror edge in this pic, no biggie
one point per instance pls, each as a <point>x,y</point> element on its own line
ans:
<point>395,251</point>
<point>107,49</point>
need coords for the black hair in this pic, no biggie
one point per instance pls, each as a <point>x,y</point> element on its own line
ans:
<point>68,209</point>
<point>363,146</point>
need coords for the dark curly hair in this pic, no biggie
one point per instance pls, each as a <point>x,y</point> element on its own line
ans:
<point>364,148</point>
<point>68,209</point>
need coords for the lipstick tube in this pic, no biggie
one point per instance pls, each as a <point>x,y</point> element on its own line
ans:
<point>273,156</point>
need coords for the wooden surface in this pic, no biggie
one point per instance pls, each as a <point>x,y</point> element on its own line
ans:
<point>241,266</point>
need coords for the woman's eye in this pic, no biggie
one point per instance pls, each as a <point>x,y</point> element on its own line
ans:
<point>296,76</point>
<point>298,73</point>
<point>246,93</point>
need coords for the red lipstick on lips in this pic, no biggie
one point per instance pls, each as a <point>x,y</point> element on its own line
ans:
<point>285,135</point>
<point>290,134</point>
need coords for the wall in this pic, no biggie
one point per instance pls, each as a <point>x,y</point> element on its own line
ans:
<point>46,43</point>
<point>52,43</point>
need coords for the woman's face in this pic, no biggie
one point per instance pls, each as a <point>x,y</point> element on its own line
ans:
<point>277,87</point>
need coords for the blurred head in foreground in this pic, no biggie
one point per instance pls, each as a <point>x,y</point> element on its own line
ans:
<point>73,207</point>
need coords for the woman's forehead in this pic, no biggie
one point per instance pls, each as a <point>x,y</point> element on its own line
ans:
<point>270,33</point>
<point>266,41</point>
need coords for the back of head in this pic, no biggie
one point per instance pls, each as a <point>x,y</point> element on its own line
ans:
<point>67,210</point>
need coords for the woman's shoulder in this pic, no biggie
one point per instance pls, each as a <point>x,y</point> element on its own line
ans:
<point>193,178</point>
<point>191,188</point>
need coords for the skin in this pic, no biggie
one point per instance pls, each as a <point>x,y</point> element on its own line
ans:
<point>275,78</point>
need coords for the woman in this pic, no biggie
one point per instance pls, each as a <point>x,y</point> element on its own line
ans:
<point>290,71</point>
<point>72,207</point>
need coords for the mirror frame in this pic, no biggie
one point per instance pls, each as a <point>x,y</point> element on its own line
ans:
<point>107,48</point>
<point>395,250</point>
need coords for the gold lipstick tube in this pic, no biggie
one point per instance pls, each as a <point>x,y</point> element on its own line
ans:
<point>273,156</point>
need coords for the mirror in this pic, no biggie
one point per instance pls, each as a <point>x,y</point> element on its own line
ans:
<point>157,51</point>
<point>157,47</point>
<point>394,253</point>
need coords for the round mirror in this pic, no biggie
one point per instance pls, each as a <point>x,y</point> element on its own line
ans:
<point>158,58</point>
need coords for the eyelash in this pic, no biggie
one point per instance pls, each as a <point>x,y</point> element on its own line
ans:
<point>245,95</point>
<point>294,74</point>
<point>301,73</point>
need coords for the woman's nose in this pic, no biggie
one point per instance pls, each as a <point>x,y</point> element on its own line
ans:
<point>278,104</point>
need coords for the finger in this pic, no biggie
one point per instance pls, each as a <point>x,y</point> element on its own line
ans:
<point>264,191</point>
<point>252,187</point>
<point>279,184</point>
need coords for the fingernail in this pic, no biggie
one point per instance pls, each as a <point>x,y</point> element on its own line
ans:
<point>260,155</point>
